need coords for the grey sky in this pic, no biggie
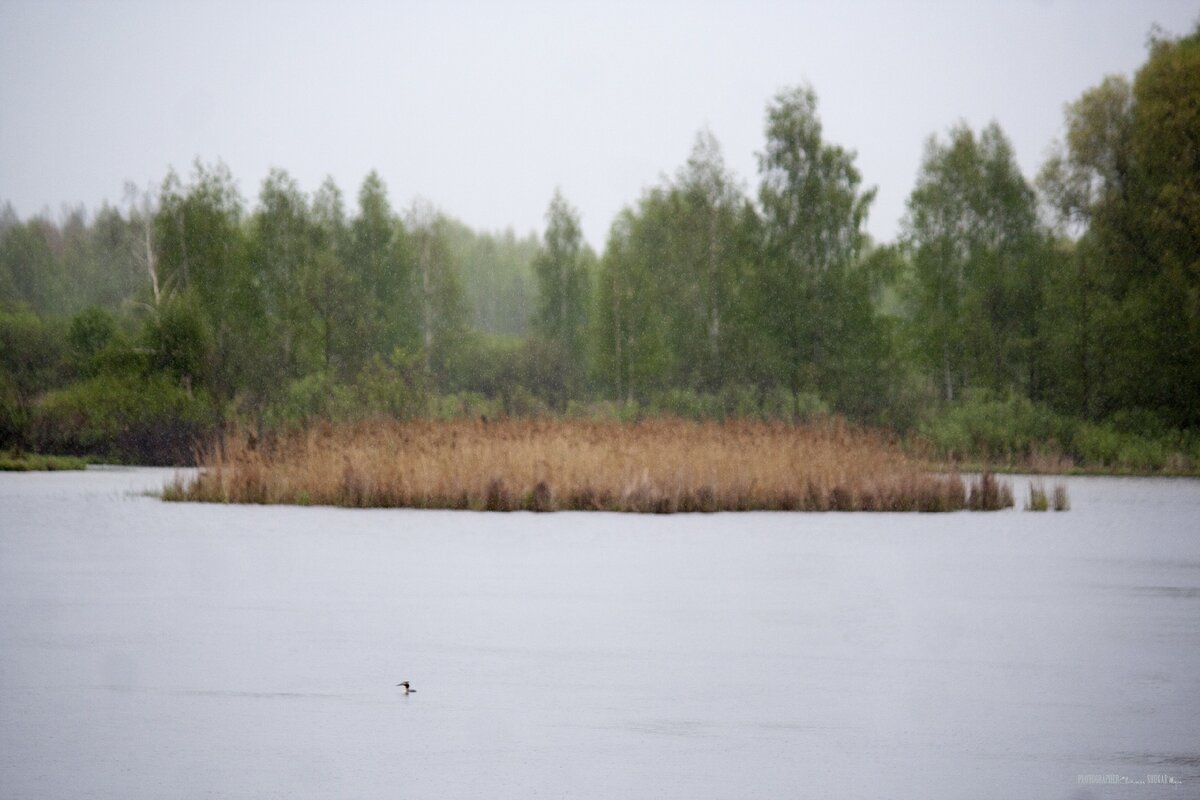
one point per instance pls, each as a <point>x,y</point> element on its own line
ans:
<point>484,108</point>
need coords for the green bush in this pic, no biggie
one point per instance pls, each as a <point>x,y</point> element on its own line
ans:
<point>1097,444</point>
<point>125,418</point>
<point>32,359</point>
<point>1014,431</point>
<point>393,388</point>
<point>312,397</point>
<point>465,405</point>
<point>685,404</point>
<point>1001,430</point>
<point>36,462</point>
<point>91,332</point>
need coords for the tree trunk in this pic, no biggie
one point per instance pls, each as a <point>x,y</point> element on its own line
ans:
<point>151,265</point>
<point>427,300</point>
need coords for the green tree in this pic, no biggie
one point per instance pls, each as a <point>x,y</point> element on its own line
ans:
<point>29,269</point>
<point>115,275</point>
<point>437,287</point>
<point>632,353</point>
<point>1162,302</point>
<point>328,285</point>
<point>90,332</point>
<point>704,265</point>
<point>813,212</point>
<point>31,363</point>
<point>564,289</point>
<point>1084,182</point>
<point>379,263</point>
<point>1090,169</point>
<point>180,342</point>
<point>203,254</point>
<point>978,256</point>
<point>282,253</point>
<point>1127,179</point>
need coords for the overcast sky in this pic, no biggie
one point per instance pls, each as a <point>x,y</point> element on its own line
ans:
<point>484,108</point>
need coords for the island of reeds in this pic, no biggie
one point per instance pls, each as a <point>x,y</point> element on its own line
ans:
<point>659,465</point>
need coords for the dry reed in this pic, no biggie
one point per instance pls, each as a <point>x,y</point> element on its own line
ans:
<point>1061,501</point>
<point>989,494</point>
<point>660,466</point>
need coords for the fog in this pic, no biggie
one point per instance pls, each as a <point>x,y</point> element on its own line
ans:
<point>486,108</point>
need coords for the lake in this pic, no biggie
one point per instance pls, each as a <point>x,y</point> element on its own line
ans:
<point>158,650</point>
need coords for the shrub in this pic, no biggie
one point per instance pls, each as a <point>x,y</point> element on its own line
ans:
<point>147,420</point>
<point>1015,431</point>
<point>993,429</point>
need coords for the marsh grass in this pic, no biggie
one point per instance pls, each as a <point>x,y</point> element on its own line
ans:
<point>1038,501</point>
<point>988,493</point>
<point>1061,501</point>
<point>660,466</point>
<point>35,462</point>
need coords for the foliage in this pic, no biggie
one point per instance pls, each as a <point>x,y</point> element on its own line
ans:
<point>977,258</point>
<point>31,358</point>
<point>36,462</point>
<point>1014,431</point>
<point>393,388</point>
<point>437,293</point>
<point>146,420</point>
<point>563,270</point>
<point>1128,178</point>
<point>814,299</point>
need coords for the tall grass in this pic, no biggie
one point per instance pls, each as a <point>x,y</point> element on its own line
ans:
<point>659,465</point>
<point>1038,500</point>
<point>988,493</point>
<point>1061,501</point>
<point>33,462</point>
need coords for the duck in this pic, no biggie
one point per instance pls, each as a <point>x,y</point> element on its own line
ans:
<point>407,689</point>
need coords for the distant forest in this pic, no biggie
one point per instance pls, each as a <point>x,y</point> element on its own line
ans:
<point>1010,312</point>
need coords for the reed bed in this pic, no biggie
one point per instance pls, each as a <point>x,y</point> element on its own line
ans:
<point>660,466</point>
<point>1040,500</point>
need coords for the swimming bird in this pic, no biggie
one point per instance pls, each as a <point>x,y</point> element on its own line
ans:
<point>407,690</point>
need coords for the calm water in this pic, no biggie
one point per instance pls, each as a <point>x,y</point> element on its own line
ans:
<point>161,650</point>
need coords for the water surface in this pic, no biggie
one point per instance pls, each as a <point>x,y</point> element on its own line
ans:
<point>178,650</point>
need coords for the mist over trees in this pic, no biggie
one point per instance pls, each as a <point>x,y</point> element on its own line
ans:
<point>1074,295</point>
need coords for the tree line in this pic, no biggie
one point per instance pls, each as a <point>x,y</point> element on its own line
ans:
<point>1077,291</point>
